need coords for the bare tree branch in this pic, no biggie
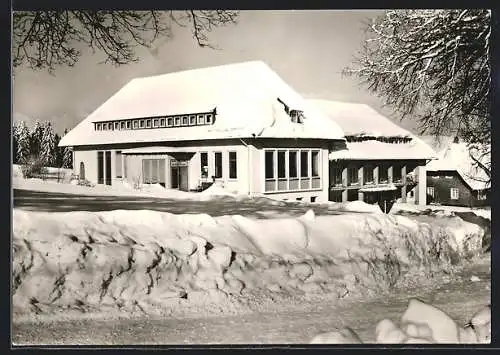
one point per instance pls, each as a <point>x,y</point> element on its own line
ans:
<point>432,66</point>
<point>47,39</point>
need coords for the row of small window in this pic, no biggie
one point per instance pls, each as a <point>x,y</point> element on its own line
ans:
<point>292,170</point>
<point>353,177</point>
<point>233,166</point>
<point>177,121</point>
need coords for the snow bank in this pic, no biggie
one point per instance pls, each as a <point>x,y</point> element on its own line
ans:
<point>421,323</point>
<point>161,262</point>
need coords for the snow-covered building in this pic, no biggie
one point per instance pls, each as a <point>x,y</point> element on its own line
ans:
<point>377,156</point>
<point>240,125</point>
<point>455,179</point>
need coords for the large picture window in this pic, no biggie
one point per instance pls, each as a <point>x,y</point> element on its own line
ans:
<point>292,170</point>
<point>396,173</point>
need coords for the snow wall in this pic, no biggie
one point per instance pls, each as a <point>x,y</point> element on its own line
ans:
<point>160,263</point>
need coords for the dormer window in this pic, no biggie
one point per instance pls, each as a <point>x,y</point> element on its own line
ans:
<point>155,122</point>
<point>148,123</point>
<point>297,116</point>
<point>136,124</point>
<point>208,118</point>
<point>129,124</point>
<point>201,119</point>
<point>185,121</point>
<point>122,125</point>
<point>177,121</point>
<point>110,126</point>
<point>117,126</point>
<point>162,122</point>
<point>142,123</point>
<point>98,126</point>
<point>192,120</point>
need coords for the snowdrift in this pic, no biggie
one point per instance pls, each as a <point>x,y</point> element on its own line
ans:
<point>421,323</point>
<point>156,262</point>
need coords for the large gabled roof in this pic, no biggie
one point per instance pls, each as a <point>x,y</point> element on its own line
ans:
<point>244,94</point>
<point>362,121</point>
<point>456,157</point>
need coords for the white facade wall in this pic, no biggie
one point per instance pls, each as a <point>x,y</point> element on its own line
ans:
<point>250,169</point>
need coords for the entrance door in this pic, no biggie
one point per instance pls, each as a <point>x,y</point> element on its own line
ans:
<point>179,178</point>
<point>174,177</point>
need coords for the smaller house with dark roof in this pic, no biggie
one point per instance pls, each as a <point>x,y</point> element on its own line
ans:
<point>455,179</point>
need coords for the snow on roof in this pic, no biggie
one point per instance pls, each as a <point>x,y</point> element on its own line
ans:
<point>375,150</point>
<point>456,157</point>
<point>359,119</point>
<point>244,94</point>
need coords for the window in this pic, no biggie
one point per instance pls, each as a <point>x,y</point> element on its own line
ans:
<point>185,121</point>
<point>337,176</point>
<point>170,121</point>
<point>218,165</point>
<point>430,191</point>
<point>136,124</point>
<point>155,122</point>
<point>110,126</point>
<point>396,173</point>
<point>208,118</point>
<point>304,163</point>
<point>204,165</point>
<point>104,126</point>
<point>315,163</point>
<point>100,167</point>
<point>352,175</point>
<point>128,124</point>
<point>177,121</point>
<point>192,120</point>
<point>449,177</point>
<point>141,123</point>
<point>118,162</point>
<point>122,125</point>
<point>162,122</point>
<point>233,166</point>
<point>117,126</point>
<point>383,174</point>
<point>368,174</point>
<point>454,193</point>
<point>148,123</point>
<point>292,165</point>
<point>281,164</point>
<point>98,126</point>
<point>270,184</point>
<point>200,119</point>
<point>481,195</point>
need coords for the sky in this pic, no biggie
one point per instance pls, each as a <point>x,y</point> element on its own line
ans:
<point>308,49</point>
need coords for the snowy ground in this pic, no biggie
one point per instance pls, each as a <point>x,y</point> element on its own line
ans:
<point>165,267</point>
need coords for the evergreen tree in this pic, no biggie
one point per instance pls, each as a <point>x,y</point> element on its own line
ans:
<point>23,143</point>
<point>67,159</point>
<point>36,139</point>
<point>48,145</point>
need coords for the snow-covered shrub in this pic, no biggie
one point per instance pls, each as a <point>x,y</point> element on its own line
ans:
<point>34,167</point>
<point>84,182</point>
